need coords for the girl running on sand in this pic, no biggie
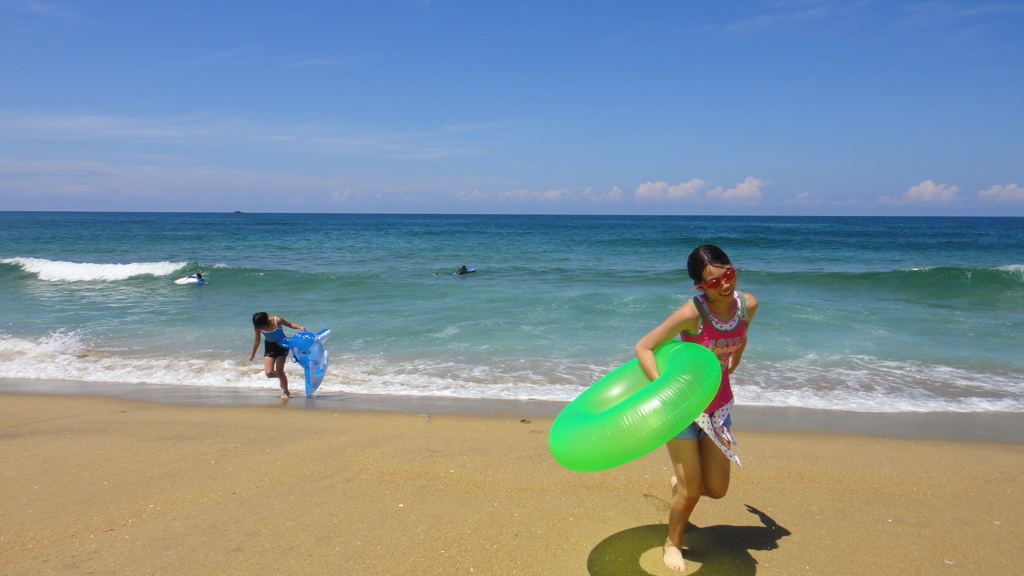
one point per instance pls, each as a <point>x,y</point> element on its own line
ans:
<point>717,319</point>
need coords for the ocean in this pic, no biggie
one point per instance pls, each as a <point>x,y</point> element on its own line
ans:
<point>856,313</point>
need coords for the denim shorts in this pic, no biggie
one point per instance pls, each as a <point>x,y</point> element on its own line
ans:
<point>695,432</point>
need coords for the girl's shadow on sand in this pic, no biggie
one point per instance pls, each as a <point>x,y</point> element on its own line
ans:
<point>721,550</point>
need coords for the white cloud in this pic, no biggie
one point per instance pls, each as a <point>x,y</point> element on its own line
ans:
<point>800,199</point>
<point>927,192</point>
<point>474,196</point>
<point>651,190</point>
<point>661,190</point>
<point>614,195</point>
<point>526,195</point>
<point>685,189</point>
<point>745,193</point>
<point>348,195</point>
<point>1008,193</point>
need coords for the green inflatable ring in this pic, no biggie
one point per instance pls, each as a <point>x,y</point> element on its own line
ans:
<point>624,415</point>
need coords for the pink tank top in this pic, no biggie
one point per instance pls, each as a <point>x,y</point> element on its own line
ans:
<point>722,338</point>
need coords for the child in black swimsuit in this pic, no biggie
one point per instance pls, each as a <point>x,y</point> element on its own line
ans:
<point>274,354</point>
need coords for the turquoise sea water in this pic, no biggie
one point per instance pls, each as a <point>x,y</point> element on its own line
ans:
<point>869,314</point>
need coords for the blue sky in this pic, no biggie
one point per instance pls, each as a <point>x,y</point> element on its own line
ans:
<point>662,107</point>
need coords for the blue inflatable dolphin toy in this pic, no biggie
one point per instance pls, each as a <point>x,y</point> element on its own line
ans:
<point>308,350</point>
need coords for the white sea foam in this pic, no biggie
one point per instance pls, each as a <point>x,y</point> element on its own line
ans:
<point>1017,269</point>
<point>510,379</point>
<point>68,356</point>
<point>55,270</point>
<point>845,383</point>
<point>867,384</point>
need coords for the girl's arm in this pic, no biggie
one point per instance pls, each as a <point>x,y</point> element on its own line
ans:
<point>255,345</point>
<point>686,318</point>
<point>281,321</point>
<point>751,306</point>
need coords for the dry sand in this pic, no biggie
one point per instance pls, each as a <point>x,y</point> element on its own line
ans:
<point>112,486</point>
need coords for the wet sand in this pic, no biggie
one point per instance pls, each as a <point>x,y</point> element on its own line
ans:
<point>999,427</point>
<point>108,485</point>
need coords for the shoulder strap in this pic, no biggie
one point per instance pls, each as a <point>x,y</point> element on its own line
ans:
<point>699,304</point>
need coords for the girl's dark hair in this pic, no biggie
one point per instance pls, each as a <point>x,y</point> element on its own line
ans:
<point>260,319</point>
<point>701,258</point>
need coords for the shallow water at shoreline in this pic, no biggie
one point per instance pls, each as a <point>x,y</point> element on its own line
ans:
<point>995,427</point>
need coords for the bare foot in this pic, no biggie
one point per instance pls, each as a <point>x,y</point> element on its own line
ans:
<point>285,396</point>
<point>674,557</point>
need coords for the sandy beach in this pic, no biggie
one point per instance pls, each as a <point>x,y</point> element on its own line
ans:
<point>105,485</point>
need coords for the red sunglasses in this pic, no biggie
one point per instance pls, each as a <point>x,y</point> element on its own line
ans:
<point>716,283</point>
